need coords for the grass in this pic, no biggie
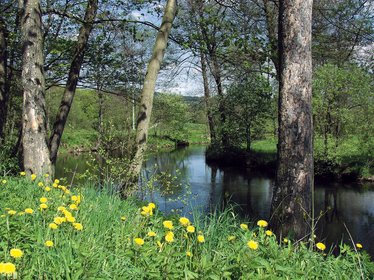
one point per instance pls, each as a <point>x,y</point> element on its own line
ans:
<point>110,245</point>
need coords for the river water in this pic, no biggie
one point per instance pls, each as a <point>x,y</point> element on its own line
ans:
<point>197,186</point>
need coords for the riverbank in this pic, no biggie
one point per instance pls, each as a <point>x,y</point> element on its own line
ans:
<point>82,233</point>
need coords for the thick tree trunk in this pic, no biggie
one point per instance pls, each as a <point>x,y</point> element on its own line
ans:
<point>146,100</point>
<point>3,78</point>
<point>292,203</point>
<point>207,100</point>
<point>71,84</point>
<point>34,129</point>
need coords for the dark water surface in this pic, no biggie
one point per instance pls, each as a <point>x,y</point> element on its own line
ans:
<point>199,186</point>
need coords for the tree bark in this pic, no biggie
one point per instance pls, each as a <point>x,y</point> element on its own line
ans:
<point>292,203</point>
<point>3,78</point>
<point>146,100</point>
<point>34,119</point>
<point>207,97</point>
<point>73,76</point>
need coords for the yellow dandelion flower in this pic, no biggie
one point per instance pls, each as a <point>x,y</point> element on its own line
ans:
<point>184,221</point>
<point>33,177</point>
<point>244,226</point>
<point>49,243</point>
<point>53,226</point>
<point>3,216</point>
<point>200,238</point>
<point>43,200</point>
<point>139,241</point>
<point>70,219</point>
<point>168,224</point>
<point>269,233</point>
<point>231,238</point>
<point>74,198</point>
<point>56,181</point>
<point>21,213</point>
<point>3,181</point>
<point>321,246</point>
<point>55,185</point>
<point>188,254</point>
<point>40,184</point>
<point>16,253</point>
<point>58,220</point>
<point>359,245</point>
<point>285,240</point>
<point>46,175</point>
<point>253,245</point>
<point>61,208</point>
<point>12,212</point>
<point>151,205</point>
<point>29,211</point>
<point>23,173</point>
<point>169,237</point>
<point>78,226</point>
<point>47,189</point>
<point>123,218</point>
<point>190,229</point>
<point>73,207</point>
<point>43,206</point>
<point>67,192</point>
<point>7,268</point>
<point>262,223</point>
<point>151,234</point>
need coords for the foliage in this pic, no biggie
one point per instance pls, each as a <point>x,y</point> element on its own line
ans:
<point>112,238</point>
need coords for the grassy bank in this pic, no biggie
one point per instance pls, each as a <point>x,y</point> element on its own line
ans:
<point>83,234</point>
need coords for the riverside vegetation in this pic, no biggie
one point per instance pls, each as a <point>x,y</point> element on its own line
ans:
<point>50,231</point>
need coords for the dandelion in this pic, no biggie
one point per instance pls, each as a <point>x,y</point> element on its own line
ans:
<point>29,211</point>
<point>54,185</point>
<point>57,181</point>
<point>321,246</point>
<point>12,212</point>
<point>188,254</point>
<point>269,233</point>
<point>43,206</point>
<point>7,268</point>
<point>152,205</point>
<point>285,240</point>
<point>73,207</point>
<point>53,226</point>
<point>168,224</point>
<point>40,184</point>
<point>46,175</point>
<point>58,220</point>
<point>151,234</point>
<point>262,223</point>
<point>253,245</point>
<point>169,237</point>
<point>33,177</point>
<point>49,243</point>
<point>61,208</point>
<point>190,229</point>
<point>184,221</point>
<point>123,218</point>
<point>146,211</point>
<point>70,219</point>
<point>23,173</point>
<point>231,238</point>
<point>200,238</point>
<point>359,245</point>
<point>16,253</point>
<point>74,198</point>
<point>47,189</point>
<point>43,200</point>
<point>3,182</point>
<point>78,226</point>
<point>244,226</point>
<point>139,241</point>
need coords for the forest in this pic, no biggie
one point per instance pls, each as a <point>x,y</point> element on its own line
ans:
<point>276,86</point>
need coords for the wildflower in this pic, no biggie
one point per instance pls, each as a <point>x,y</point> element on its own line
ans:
<point>12,212</point>
<point>7,268</point>
<point>29,211</point>
<point>47,189</point>
<point>58,220</point>
<point>3,181</point>
<point>70,219</point>
<point>200,238</point>
<point>285,240</point>
<point>73,206</point>
<point>74,198</point>
<point>21,213</point>
<point>40,184</point>
<point>78,226</point>
<point>188,254</point>
<point>46,175</point>
<point>321,246</point>
<point>61,208</point>
<point>53,226</point>
<point>67,192</point>
<point>43,206</point>
<point>262,223</point>
<point>168,224</point>
<point>33,177</point>
<point>43,200</point>
<point>16,253</point>
<point>123,218</point>
<point>231,237</point>
<point>152,205</point>
<point>54,185</point>
<point>244,226</point>
<point>184,221</point>
<point>253,245</point>
<point>151,234</point>
<point>57,181</point>
<point>359,245</point>
<point>169,237</point>
<point>190,229</point>
<point>49,243</point>
<point>269,233</point>
<point>139,241</point>
<point>23,173</point>
<point>146,211</point>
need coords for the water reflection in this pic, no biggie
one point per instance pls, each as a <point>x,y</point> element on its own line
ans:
<point>196,185</point>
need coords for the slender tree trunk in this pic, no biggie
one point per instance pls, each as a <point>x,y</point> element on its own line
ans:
<point>207,98</point>
<point>34,129</point>
<point>248,136</point>
<point>100,116</point>
<point>292,203</point>
<point>3,78</point>
<point>73,76</point>
<point>146,100</point>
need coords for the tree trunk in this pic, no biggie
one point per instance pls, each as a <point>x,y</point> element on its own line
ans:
<point>73,76</point>
<point>100,116</point>
<point>207,97</point>
<point>146,100</point>
<point>292,203</point>
<point>248,136</point>
<point>3,78</point>
<point>34,120</point>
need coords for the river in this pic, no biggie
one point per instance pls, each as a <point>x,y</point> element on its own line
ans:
<point>201,187</point>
